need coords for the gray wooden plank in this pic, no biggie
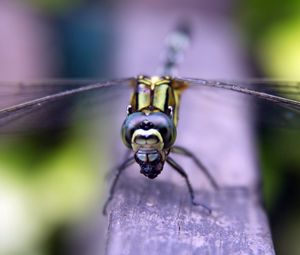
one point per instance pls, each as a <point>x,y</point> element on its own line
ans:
<point>156,216</point>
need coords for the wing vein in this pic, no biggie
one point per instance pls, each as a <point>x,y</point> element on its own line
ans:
<point>48,98</point>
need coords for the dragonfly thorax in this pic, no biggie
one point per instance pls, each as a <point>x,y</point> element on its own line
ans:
<point>150,126</point>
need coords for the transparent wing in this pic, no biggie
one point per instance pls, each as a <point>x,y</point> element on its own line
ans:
<point>12,93</point>
<point>276,102</point>
<point>49,105</point>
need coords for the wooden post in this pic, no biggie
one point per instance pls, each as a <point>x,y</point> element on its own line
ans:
<point>156,216</point>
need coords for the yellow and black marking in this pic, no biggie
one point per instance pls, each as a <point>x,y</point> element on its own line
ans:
<point>153,94</point>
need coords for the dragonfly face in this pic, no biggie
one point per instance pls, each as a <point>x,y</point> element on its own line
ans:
<point>150,126</point>
<point>149,135</point>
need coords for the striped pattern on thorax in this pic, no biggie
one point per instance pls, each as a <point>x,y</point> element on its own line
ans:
<point>153,94</point>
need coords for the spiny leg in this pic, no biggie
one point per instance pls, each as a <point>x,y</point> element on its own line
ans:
<point>181,171</point>
<point>112,171</point>
<point>120,169</point>
<point>185,152</point>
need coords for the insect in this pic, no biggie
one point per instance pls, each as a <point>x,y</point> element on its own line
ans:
<point>149,130</point>
<point>150,127</point>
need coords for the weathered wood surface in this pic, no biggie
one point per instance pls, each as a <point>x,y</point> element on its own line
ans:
<point>156,216</point>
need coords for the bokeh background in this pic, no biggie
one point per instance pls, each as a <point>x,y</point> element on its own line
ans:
<point>50,182</point>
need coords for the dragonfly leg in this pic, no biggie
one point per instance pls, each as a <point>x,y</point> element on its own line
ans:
<point>113,171</point>
<point>181,171</point>
<point>185,152</point>
<point>119,170</point>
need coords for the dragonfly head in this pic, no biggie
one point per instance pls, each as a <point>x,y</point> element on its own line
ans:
<point>150,161</point>
<point>150,136</point>
<point>155,130</point>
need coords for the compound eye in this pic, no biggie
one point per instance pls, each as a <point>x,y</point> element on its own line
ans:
<point>146,125</point>
<point>131,123</point>
<point>165,126</point>
<point>165,131</point>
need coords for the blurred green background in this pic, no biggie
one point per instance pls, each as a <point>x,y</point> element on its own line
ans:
<point>51,182</point>
<point>272,33</point>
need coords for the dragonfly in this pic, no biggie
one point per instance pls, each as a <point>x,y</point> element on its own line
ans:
<point>150,127</point>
